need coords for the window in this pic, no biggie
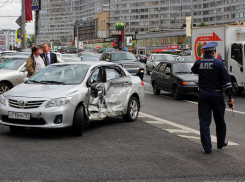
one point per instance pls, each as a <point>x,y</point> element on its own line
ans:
<point>236,53</point>
<point>162,68</point>
<point>168,68</point>
<point>96,76</point>
<point>112,73</point>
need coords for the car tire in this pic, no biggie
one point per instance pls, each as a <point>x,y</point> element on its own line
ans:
<point>132,110</point>
<point>176,93</point>
<point>156,91</point>
<point>78,122</point>
<point>147,72</point>
<point>16,129</point>
<point>4,87</point>
<point>236,90</point>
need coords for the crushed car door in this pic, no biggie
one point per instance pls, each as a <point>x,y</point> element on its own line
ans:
<point>118,89</point>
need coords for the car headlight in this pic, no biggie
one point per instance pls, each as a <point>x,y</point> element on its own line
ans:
<point>2,100</point>
<point>188,83</point>
<point>58,102</point>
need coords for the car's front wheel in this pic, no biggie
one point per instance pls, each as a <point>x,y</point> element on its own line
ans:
<point>4,87</point>
<point>132,110</point>
<point>236,90</point>
<point>176,93</point>
<point>156,91</point>
<point>78,122</point>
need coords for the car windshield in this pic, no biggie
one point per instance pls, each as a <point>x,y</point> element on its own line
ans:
<point>182,68</point>
<point>122,56</point>
<point>65,74</point>
<point>166,57</point>
<point>12,64</point>
<point>68,56</point>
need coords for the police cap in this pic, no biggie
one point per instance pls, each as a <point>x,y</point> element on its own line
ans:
<point>211,46</point>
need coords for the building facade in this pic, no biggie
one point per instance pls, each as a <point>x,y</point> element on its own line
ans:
<point>59,18</point>
<point>10,39</point>
<point>151,15</point>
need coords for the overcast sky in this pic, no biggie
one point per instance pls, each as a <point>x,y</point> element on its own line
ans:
<point>13,9</point>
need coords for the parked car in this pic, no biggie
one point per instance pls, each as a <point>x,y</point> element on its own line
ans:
<point>90,58</point>
<point>141,58</point>
<point>126,60</point>
<point>71,95</point>
<point>186,58</point>
<point>70,58</point>
<point>175,77</point>
<point>12,72</point>
<point>59,57</point>
<point>155,59</point>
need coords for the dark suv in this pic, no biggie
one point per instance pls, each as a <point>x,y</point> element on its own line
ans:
<point>126,60</point>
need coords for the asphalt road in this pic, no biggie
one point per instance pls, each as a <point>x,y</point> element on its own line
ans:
<point>162,145</point>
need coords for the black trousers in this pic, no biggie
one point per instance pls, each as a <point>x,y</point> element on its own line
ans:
<point>209,101</point>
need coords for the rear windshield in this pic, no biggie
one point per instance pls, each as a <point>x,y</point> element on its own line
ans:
<point>12,64</point>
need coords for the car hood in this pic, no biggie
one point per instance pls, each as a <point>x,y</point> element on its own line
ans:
<point>188,77</point>
<point>41,90</point>
<point>131,61</point>
<point>2,71</point>
<point>70,59</point>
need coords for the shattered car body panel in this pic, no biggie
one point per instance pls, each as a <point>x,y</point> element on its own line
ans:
<point>111,100</point>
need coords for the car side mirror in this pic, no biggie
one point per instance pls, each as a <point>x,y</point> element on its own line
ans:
<point>168,73</point>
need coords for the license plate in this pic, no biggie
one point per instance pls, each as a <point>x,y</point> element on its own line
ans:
<point>19,115</point>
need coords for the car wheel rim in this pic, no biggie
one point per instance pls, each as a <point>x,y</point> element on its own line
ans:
<point>133,109</point>
<point>3,89</point>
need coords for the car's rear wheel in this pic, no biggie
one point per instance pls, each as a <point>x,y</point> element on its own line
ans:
<point>132,110</point>
<point>4,87</point>
<point>156,91</point>
<point>236,89</point>
<point>148,72</point>
<point>16,129</point>
<point>176,93</point>
<point>78,122</point>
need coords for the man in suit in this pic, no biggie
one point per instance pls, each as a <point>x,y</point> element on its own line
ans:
<point>49,56</point>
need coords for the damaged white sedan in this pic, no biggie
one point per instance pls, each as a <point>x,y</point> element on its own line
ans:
<point>71,95</point>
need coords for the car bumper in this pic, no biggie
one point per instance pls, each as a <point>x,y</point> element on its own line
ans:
<point>136,71</point>
<point>188,89</point>
<point>40,117</point>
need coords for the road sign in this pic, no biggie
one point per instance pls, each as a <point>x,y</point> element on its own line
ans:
<point>18,21</point>
<point>35,5</point>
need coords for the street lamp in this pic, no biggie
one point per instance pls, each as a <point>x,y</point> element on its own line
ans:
<point>77,24</point>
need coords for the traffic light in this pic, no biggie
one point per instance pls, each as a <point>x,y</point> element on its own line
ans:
<point>21,36</point>
<point>180,8</point>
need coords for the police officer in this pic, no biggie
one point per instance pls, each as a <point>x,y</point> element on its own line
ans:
<point>213,78</point>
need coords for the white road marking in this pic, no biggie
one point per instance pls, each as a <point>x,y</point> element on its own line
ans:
<point>177,131</point>
<point>213,138</point>
<point>197,103</point>
<point>154,122</point>
<point>190,137</point>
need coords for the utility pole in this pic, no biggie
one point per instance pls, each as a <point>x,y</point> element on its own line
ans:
<point>36,25</point>
<point>23,26</point>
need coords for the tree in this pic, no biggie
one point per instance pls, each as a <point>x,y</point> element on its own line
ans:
<point>30,40</point>
<point>202,24</point>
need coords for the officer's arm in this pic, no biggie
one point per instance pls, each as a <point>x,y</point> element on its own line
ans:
<point>226,81</point>
<point>194,68</point>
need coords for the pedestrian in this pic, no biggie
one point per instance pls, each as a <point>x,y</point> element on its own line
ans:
<point>35,62</point>
<point>213,78</point>
<point>50,57</point>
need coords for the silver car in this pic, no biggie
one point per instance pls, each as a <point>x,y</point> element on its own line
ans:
<point>155,59</point>
<point>70,58</point>
<point>12,72</point>
<point>71,95</point>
